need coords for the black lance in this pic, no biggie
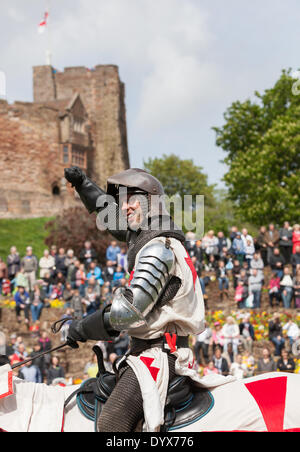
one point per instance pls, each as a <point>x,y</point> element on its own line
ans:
<point>54,330</point>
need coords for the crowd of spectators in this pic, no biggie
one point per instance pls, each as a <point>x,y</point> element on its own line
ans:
<point>241,258</point>
<point>44,369</point>
<point>228,349</point>
<point>237,262</point>
<point>80,282</point>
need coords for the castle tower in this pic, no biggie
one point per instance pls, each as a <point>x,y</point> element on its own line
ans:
<point>102,94</point>
<point>77,118</point>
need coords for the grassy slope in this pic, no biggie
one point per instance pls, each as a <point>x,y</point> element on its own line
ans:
<point>22,233</point>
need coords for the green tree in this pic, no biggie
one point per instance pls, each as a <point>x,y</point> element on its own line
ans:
<point>183,177</point>
<point>180,177</point>
<point>262,142</point>
<point>72,227</point>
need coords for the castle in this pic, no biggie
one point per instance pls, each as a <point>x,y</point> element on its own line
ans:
<point>77,117</point>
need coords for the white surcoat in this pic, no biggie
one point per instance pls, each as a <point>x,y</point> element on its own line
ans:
<point>184,315</point>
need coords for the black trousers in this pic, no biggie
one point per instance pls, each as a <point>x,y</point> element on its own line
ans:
<point>124,408</point>
<point>286,252</point>
<point>26,311</point>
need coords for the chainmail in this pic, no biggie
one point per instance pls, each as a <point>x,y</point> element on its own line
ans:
<point>124,408</point>
<point>169,292</point>
<point>137,241</point>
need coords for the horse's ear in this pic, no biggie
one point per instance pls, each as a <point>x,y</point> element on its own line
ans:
<point>4,360</point>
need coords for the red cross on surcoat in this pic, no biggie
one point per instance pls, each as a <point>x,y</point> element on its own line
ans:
<point>188,260</point>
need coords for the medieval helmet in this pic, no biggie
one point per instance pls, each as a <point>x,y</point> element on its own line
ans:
<point>136,180</point>
<point>139,182</point>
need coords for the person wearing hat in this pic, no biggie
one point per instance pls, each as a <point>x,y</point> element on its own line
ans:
<point>163,303</point>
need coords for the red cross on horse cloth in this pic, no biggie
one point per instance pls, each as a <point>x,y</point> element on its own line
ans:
<point>270,396</point>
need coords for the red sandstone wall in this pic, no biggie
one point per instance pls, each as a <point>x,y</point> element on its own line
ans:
<point>30,153</point>
<point>30,162</point>
<point>103,95</point>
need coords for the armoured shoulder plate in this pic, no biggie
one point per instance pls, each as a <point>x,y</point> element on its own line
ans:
<point>152,273</point>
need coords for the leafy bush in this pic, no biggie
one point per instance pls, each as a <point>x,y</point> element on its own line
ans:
<point>72,228</point>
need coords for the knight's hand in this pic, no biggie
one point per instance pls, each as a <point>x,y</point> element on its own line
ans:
<point>75,176</point>
<point>75,334</point>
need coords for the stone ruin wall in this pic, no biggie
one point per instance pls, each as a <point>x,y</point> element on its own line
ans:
<point>102,94</point>
<point>30,143</point>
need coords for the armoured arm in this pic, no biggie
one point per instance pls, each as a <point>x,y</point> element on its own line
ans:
<point>131,306</point>
<point>88,191</point>
<point>93,327</point>
<point>90,194</point>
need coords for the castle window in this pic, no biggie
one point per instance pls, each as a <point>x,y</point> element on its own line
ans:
<point>78,125</point>
<point>55,190</point>
<point>78,157</point>
<point>66,154</point>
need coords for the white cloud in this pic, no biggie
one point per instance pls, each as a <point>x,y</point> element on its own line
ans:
<point>176,87</point>
<point>163,47</point>
<point>182,66</point>
<point>15,14</point>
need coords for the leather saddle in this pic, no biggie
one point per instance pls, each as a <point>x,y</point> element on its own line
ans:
<point>185,403</point>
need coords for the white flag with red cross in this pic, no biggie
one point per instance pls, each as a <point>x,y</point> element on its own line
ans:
<point>43,23</point>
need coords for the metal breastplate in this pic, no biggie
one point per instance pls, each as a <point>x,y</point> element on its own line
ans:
<point>139,241</point>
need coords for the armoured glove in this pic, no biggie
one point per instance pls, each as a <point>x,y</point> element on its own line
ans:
<point>75,176</point>
<point>88,191</point>
<point>90,194</point>
<point>93,327</point>
<point>75,334</point>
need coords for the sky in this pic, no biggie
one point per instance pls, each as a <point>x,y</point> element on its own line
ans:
<point>183,62</point>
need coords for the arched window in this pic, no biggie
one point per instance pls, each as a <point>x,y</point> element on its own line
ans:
<point>55,190</point>
<point>78,157</point>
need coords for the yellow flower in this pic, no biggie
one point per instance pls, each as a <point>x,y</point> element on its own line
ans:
<point>58,304</point>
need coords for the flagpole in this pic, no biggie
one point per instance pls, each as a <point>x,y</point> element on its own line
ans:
<point>48,51</point>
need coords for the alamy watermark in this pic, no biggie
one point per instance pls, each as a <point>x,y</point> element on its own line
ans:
<point>142,211</point>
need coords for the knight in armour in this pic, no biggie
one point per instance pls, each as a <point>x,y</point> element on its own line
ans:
<point>161,306</point>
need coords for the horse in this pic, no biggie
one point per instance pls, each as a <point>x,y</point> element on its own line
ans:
<point>266,403</point>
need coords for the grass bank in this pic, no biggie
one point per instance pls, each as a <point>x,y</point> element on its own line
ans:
<point>22,233</point>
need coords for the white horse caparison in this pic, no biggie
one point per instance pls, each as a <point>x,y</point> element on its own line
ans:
<point>269,402</point>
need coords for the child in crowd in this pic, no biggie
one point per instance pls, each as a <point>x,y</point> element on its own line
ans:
<point>210,369</point>
<point>57,292</point>
<point>241,293</point>
<point>274,289</point>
